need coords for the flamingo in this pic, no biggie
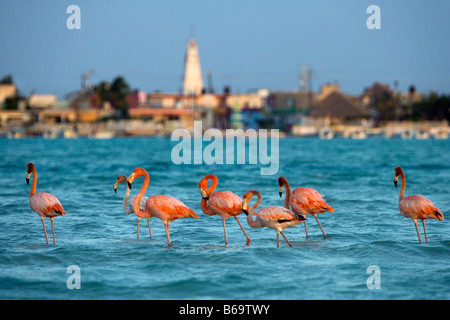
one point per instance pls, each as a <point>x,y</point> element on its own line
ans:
<point>304,201</point>
<point>277,218</point>
<point>415,206</point>
<point>44,204</point>
<point>223,203</point>
<point>163,207</point>
<point>128,204</point>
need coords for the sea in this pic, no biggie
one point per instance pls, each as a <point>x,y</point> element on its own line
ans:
<point>371,252</point>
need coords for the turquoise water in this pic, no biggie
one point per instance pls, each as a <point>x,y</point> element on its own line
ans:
<point>97,236</point>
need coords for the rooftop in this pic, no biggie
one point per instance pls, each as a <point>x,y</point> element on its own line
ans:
<point>337,105</point>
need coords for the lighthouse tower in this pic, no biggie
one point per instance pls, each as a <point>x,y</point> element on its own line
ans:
<point>192,79</point>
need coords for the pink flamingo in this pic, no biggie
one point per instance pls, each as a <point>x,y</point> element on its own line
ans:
<point>44,204</point>
<point>277,218</point>
<point>223,203</point>
<point>304,201</point>
<point>163,207</point>
<point>128,204</point>
<point>415,206</point>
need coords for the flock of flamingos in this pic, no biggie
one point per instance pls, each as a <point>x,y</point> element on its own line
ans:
<point>297,205</point>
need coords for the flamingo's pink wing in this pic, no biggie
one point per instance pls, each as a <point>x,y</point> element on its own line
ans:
<point>46,205</point>
<point>226,201</point>
<point>169,207</point>
<point>307,201</point>
<point>417,206</point>
<point>57,208</point>
<point>276,214</point>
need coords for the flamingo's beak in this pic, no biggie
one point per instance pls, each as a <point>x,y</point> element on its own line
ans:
<point>281,191</point>
<point>115,186</point>
<point>245,208</point>
<point>27,179</point>
<point>395,181</point>
<point>130,180</point>
<point>204,195</point>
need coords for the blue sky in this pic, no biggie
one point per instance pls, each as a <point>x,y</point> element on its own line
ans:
<point>247,44</point>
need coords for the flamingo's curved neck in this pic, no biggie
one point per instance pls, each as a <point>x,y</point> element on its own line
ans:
<point>204,206</point>
<point>33,186</point>
<point>136,208</point>
<point>251,210</point>
<point>125,200</point>
<point>213,185</point>
<point>402,190</point>
<point>288,195</point>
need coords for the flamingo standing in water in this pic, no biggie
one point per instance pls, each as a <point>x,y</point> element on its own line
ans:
<point>304,201</point>
<point>415,206</point>
<point>277,218</point>
<point>223,203</point>
<point>128,204</point>
<point>163,207</point>
<point>44,204</point>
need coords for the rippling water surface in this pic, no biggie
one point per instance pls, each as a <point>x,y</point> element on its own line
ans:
<point>97,236</point>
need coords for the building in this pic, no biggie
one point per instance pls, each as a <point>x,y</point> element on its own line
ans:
<point>335,109</point>
<point>137,98</point>
<point>164,100</point>
<point>7,91</point>
<point>170,117</point>
<point>42,101</point>
<point>326,90</point>
<point>287,108</point>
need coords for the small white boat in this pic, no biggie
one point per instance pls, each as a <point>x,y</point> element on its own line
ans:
<point>326,133</point>
<point>15,133</point>
<point>407,134</point>
<point>440,135</point>
<point>52,134</point>
<point>388,134</point>
<point>422,134</point>
<point>103,134</point>
<point>70,134</point>
<point>358,134</point>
